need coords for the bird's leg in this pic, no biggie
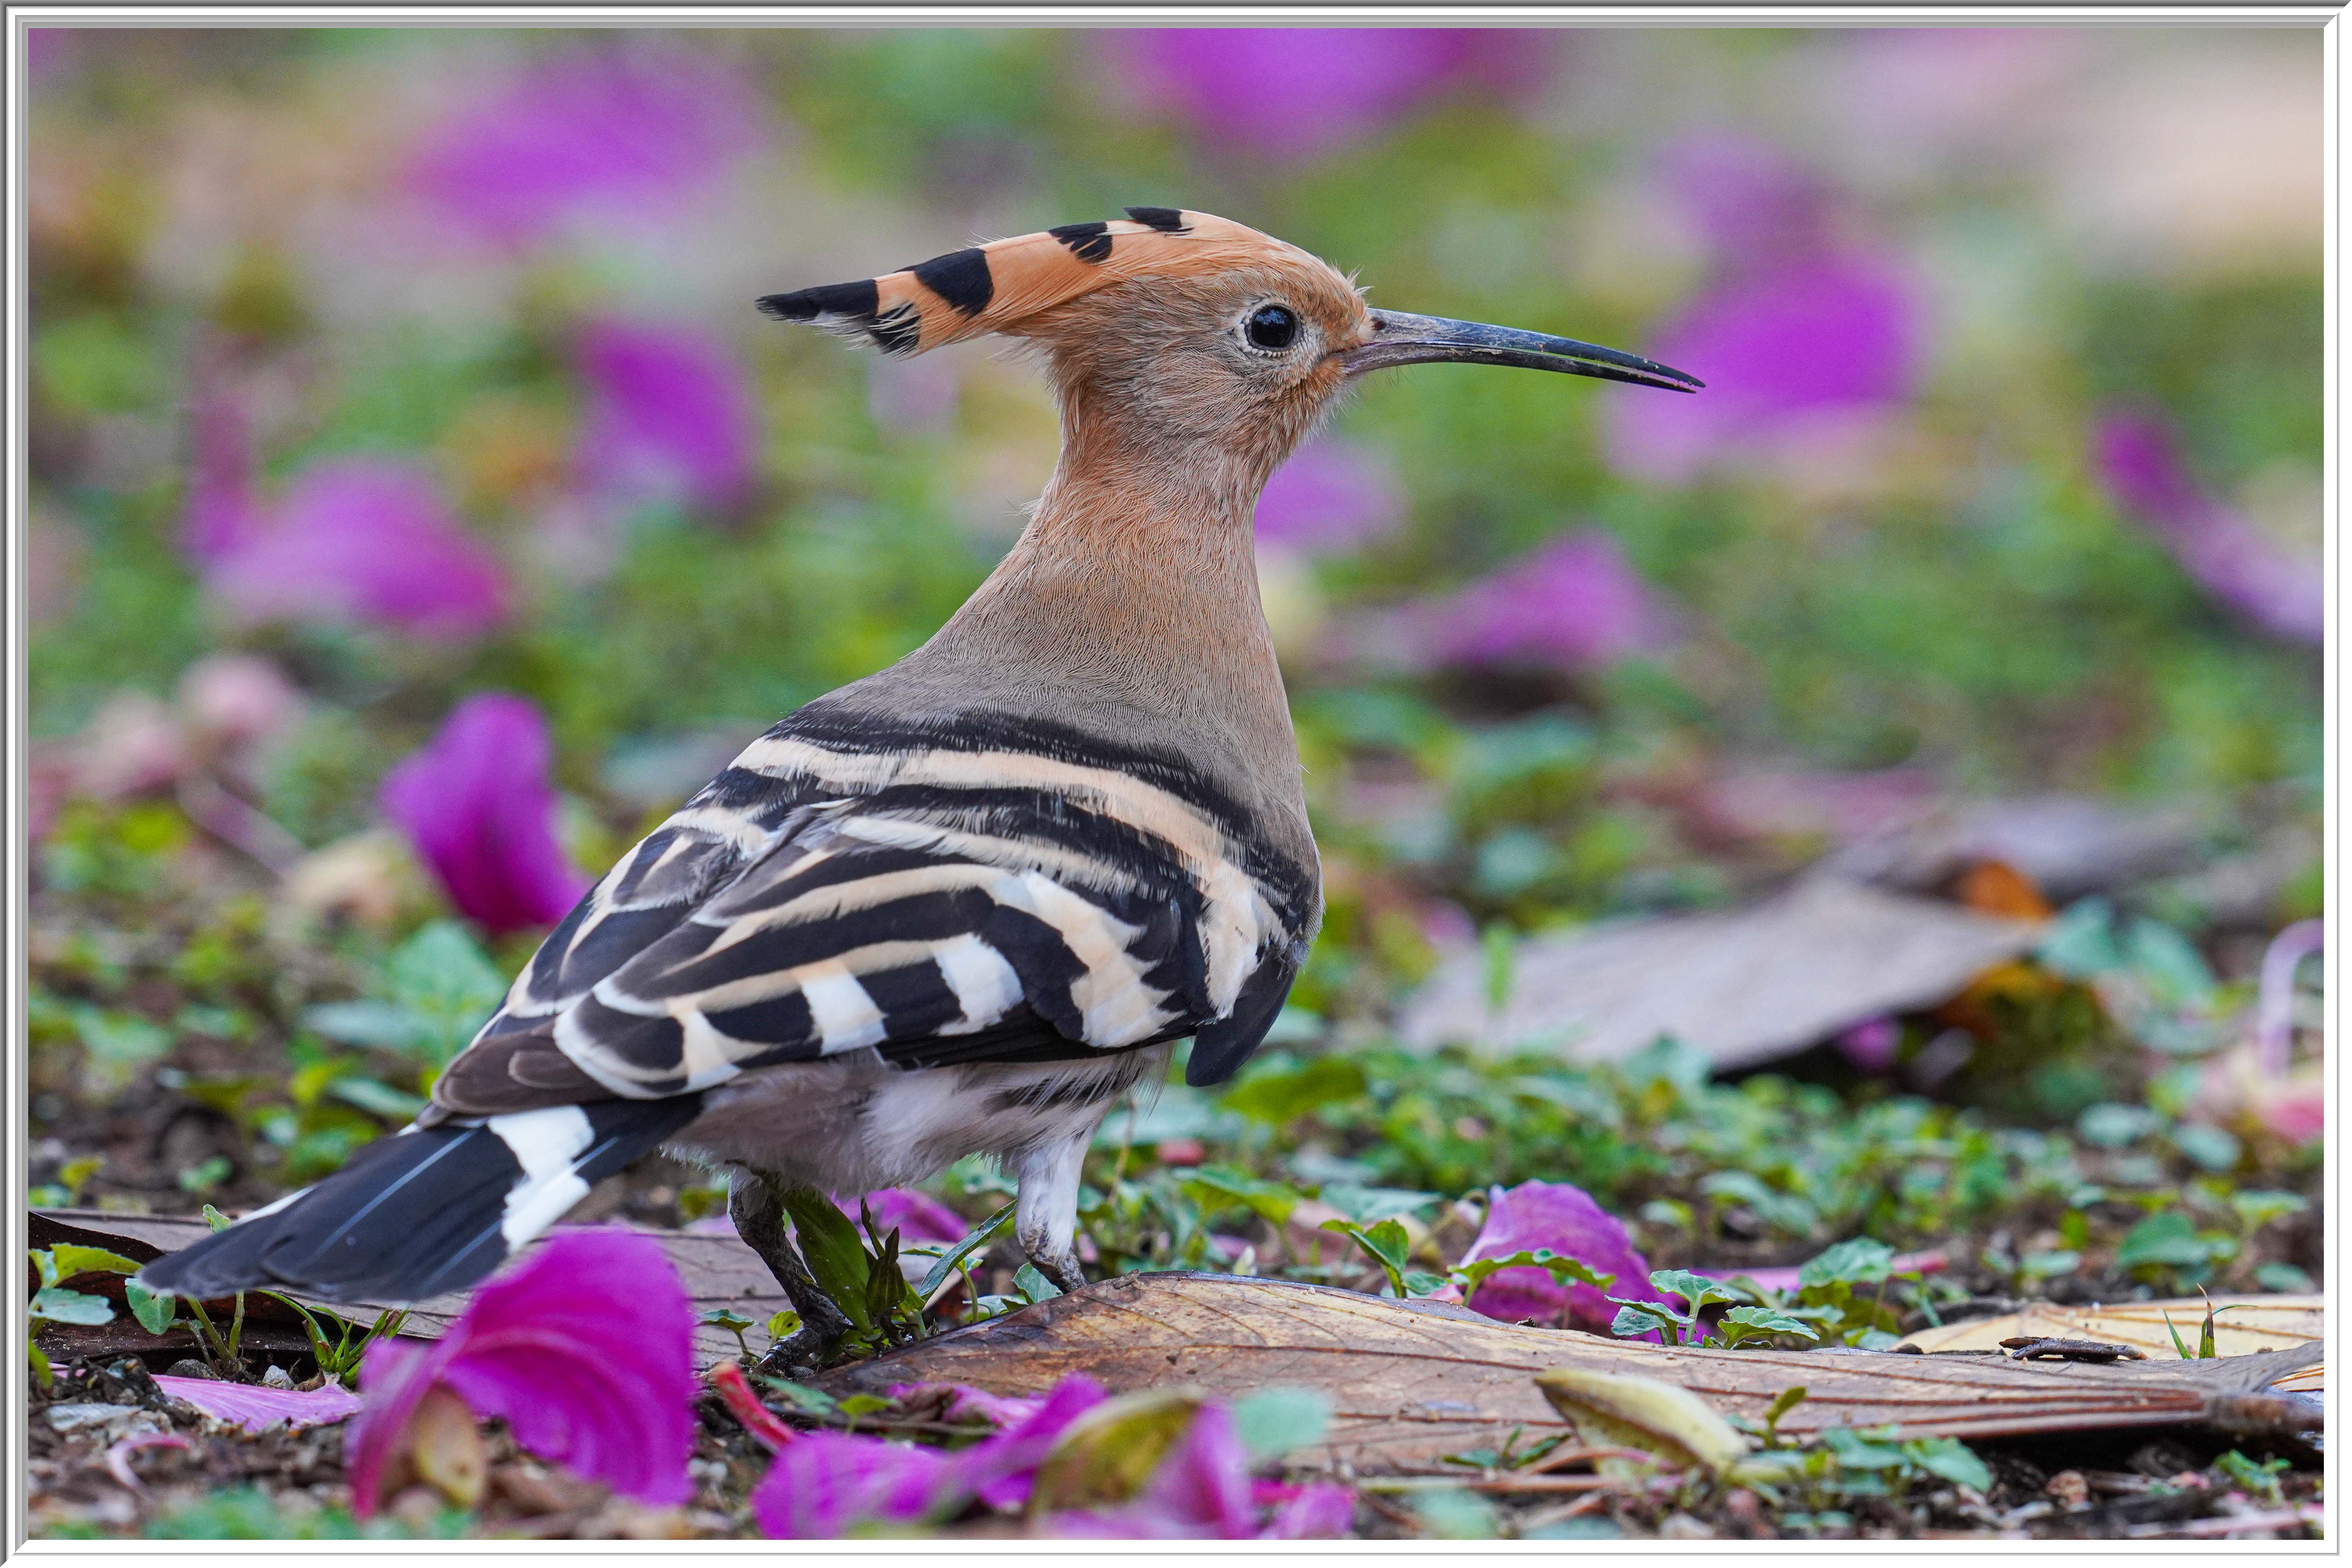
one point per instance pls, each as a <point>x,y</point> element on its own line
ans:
<point>1047,1216</point>
<point>755,1202</point>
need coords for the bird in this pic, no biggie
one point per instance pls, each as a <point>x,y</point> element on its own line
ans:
<point>965,904</point>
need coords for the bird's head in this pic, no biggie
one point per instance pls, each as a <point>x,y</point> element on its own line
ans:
<point>1174,335</point>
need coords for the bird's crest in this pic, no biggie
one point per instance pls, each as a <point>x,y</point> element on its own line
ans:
<point>994,287</point>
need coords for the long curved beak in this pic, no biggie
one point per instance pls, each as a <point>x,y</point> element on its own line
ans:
<point>1401,339</point>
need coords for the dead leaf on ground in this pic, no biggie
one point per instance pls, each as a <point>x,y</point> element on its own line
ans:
<point>1743,986</point>
<point>2251,1323</point>
<point>1413,1381</point>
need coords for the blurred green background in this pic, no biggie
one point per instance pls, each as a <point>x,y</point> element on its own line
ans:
<point>376,369</point>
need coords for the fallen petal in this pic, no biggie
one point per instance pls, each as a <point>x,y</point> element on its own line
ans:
<point>119,1452</point>
<point>254,1407</point>
<point>827,1481</point>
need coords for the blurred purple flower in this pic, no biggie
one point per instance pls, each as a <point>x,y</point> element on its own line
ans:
<point>1750,199</point>
<point>632,131</point>
<point>823,1482</point>
<point>1333,495</point>
<point>1001,1470</point>
<point>1303,91</point>
<point>1829,335</point>
<point>1202,1490</point>
<point>477,804</point>
<point>1535,1215</point>
<point>672,416</point>
<point>364,538</point>
<point>221,515</point>
<point>2140,463</point>
<point>1871,1044</point>
<point>1574,601</point>
<point>917,1218</point>
<point>2275,1003</point>
<point>254,1408</point>
<point>586,1348</point>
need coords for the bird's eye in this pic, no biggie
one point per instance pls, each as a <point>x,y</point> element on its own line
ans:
<point>1272,326</point>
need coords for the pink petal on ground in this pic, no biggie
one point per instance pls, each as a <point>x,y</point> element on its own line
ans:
<point>1333,495</point>
<point>477,803</point>
<point>1776,349</point>
<point>254,1408</point>
<point>626,132</point>
<point>917,1218</point>
<point>672,417</point>
<point>2140,463</point>
<point>119,1452</point>
<point>370,539</point>
<point>997,1409</point>
<point>1201,1491</point>
<point>586,1348</point>
<point>1573,602</point>
<point>1535,1216</point>
<point>1871,1044</point>
<point>1001,1470</point>
<point>827,1481</point>
<point>1319,1511</point>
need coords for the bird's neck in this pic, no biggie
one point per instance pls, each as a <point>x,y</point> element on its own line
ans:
<point>1134,589</point>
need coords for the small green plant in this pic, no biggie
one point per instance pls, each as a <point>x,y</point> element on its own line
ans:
<point>2258,1477</point>
<point>860,1274</point>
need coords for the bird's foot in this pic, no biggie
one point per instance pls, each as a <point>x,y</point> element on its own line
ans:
<point>1062,1269</point>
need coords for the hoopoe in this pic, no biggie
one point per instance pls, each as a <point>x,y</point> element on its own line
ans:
<point>965,904</point>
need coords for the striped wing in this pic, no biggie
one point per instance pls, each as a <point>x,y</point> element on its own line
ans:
<point>967,892</point>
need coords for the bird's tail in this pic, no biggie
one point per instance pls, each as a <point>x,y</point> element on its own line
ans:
<point>431,1210</point>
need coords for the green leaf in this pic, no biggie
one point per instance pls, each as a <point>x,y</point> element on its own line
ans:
<point>1694,1289</point>
<point>371,1022</point>
<point>1633,1321</point>
<point>44,1263</point>
<point>720,1318</point>
<point>1033,1286</point>
<point>1470,1276</point>
<point>2258,1209</point>
<point>1421,1282</point>
<point>1761,1322</point>
<point>1782,1211</point>
<point>1854,1262</point>
<point>1273,1421</point>
<point>155,1311</point>
<point>1280,1098</point>
<point>837,1259</point>
<point>963,1251</point>
<point>41,1373</point>
<point>1388,1242</point>
<point>859,1405</point>
<point>1788,1399</point>
<point>377,1099</point>
<point>784,1324</point>
<point>815,1401</point>
<point>1271,1201</point>
<point>56,1304</point>
<point>2162,1240</point>
<point>1855,1452</point>
<point>216,1220</point>
<point>72,1259</point>
<point>1952,1459</point>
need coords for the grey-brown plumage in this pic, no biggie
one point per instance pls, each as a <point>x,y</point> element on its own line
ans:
<point>964,905</point>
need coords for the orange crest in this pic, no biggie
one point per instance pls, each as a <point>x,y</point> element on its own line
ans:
<point>994,287</point>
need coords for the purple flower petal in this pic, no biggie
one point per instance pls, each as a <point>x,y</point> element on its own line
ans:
<point>586,1348</point>
<point>1826,335</point>
<point>476,803</point>
<point>1871,1044</point>
<point>1317,1510</point>
<point>629,131</point>
<point>2275,1002</point>
<point>221,515</point>
<point>917,1216</point>
<point>1573,602</point>
<point>1300,91</point>
<point>254,1408</point>
<point>824,1482</point>
<point>672,418</point>
<point>1001,1469</point>
<point>1749,197</point>
<point>1535,1215</point>
<point>1332,496</point>
<point>364,539</point>
<point>2140,463</point>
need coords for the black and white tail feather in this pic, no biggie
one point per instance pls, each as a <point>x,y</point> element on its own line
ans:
<point>972,889</point>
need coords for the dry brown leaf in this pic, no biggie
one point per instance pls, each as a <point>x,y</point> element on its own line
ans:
<point>1743,986</point>
<point>2252,1323</point>
<point>1413,1381</point>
